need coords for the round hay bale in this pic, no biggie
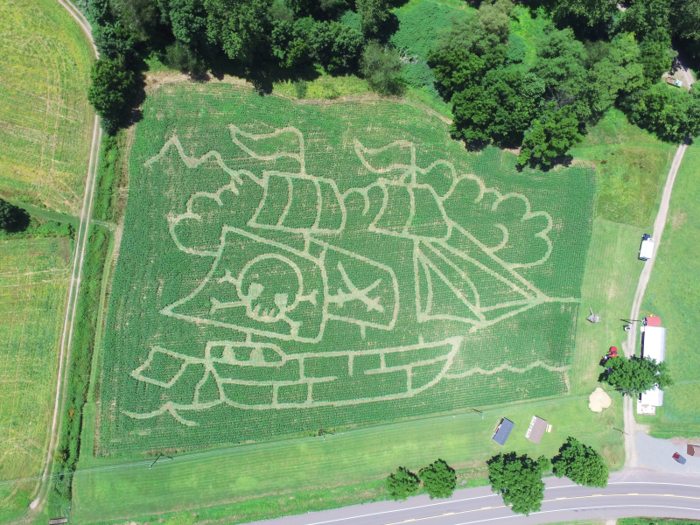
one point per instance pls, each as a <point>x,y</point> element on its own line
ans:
<point>599,400</point>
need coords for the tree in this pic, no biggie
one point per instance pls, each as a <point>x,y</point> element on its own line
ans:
<point>645,16</point>
<point>499,110</point>
<point>550,136</point>
<point>656,55</point>
<point>455,70</point>
<point>581,464</point>
<point>337,47</point>
<point>518,479</point>
<point>402,484</point>
<point>671,114</point>
<point>381,66</point>
<point>239,27</point>
<point>188,20</point>
<point>111,37</point>
<point>619,71</point>
<point>439,479</point>
<point>685,21</point>
<point>111,92</point>
<point>635,375</point>
<point>12,218</point>
<point>373,14</point>
<point>583,14</point>
<point>560,61</point>
<point>179,55</point>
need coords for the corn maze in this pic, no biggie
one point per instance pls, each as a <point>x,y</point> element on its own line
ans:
<point>290,267</point>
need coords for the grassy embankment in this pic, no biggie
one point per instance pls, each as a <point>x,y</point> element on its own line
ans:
<point>88,322</point>
<point>45,129</point>
<point>672,294</point>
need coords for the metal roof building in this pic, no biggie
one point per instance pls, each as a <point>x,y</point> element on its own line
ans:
<point>536,429</point>
<point>653,347</point>
<point>503,431</point>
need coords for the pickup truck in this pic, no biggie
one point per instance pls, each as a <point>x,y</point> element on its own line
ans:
<point>674,82</point>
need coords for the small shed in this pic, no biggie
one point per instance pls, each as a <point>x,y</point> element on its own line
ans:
<point>503,431</point>
<point>536,429</point>
<point>693,450</point>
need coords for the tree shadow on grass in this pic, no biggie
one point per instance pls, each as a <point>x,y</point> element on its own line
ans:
<point>18,221</point>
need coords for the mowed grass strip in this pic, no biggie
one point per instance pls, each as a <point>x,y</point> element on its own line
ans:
<point>672,294</point>
<point>609,285</point>
<point>119,489</point>
<point>34,276</point>
<point>45,119</point>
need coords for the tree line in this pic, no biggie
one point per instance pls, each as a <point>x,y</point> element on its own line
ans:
<point>592,57</point>
<point>261,40</point>
<point>517,478</point>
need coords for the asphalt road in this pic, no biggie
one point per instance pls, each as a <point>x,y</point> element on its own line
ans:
<point>632,492</point>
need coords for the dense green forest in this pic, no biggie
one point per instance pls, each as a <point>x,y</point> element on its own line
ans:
<point>592,55</point>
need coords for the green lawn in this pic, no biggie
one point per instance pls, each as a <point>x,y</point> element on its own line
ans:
<point>34,275</point>
<point>672,294</point>
<point>111,489</point>
<point>631,168</point>
<point>609,284</point>
<point>45,119</point>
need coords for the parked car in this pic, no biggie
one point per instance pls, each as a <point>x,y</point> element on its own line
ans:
<point>680,459</point>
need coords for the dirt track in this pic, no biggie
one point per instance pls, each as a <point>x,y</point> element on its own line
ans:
<point>69,318</point>
<point>630,345</point>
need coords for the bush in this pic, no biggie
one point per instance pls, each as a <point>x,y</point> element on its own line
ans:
<point>439,479</point>
<point>181,57</point>
<point>402,484</point>
<point>381,66</point>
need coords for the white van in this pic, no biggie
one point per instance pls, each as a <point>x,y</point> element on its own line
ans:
<point>646,250</point>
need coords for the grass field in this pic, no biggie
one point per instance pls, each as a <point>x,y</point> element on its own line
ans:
<point>34,276</point>
<point>631,168</point>
<point>316,266</point>
<point>113,488</point>
<point>609,285</point>
<point>672,295</point>
<point>45,119</point>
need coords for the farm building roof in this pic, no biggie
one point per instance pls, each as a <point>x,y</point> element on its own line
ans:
<point>653,397</point>
<point>536,429</point>
<point>654,343</point>
<point>503,431</point>
<point>652,320</point>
